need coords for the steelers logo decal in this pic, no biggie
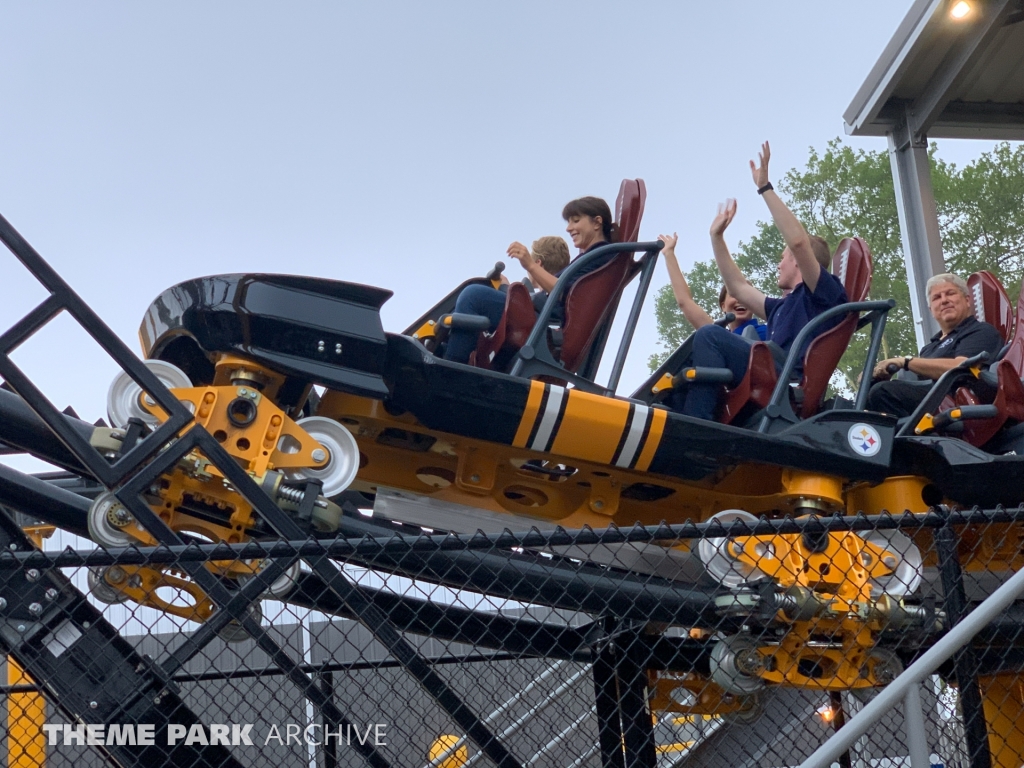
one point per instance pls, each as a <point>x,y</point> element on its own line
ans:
<point>864,439</point>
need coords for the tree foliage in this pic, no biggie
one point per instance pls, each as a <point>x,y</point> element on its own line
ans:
<point>844,192</point>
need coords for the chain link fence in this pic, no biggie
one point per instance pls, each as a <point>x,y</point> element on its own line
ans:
<point>740,642</point>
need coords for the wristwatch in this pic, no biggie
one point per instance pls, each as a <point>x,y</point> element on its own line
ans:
<point>906,363</point>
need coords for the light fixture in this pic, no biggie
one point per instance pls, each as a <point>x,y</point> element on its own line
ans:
<point>960,10</point>
<point>826,713</point>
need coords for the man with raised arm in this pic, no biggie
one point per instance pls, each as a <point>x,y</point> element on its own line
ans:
<point>808,289</point>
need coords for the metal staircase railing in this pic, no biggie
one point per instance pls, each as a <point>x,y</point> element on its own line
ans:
<point>905,688</point>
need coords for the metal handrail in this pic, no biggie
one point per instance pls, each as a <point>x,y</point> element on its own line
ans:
<point>877,313</point>
<point>938,391</point>
<point>905,687</point>
<point>565,281</point>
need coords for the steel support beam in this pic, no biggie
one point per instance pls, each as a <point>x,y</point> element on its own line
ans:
<point>919,222</point>
<point>635,711</point>
<point>917,736</point>
<point>606,701</point>
<point>330,751</point>
<point>625,727</point>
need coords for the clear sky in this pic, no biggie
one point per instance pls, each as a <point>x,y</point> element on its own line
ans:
<point>402,145</point>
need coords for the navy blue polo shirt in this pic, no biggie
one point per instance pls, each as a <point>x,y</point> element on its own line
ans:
<point>788,316</point>
<point>966,340</point>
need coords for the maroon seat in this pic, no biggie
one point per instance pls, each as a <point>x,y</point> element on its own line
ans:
<point>1009,399</point>
<point>1009,389</point>
<point>990,302</point>
<point>756,387</point>
<point>852,265</point>
<point>1015,353</point>
<point>590,302</point>
<point>991,305</point>
<point>496,350</point>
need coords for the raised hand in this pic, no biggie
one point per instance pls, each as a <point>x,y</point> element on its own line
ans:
<point>726,212</point>
<point>670,242</point>
<point>519,251</point>
<point>760,172</point>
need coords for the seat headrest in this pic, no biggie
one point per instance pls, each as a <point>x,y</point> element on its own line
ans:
<point>1015,354</point>
<point>629,209</point>
<point>990,301</point>
<point>852,265</point>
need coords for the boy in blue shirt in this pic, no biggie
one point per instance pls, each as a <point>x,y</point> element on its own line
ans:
<point>807,286</point>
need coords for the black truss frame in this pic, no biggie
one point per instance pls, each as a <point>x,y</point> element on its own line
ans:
<point>93,675</point>
<point>131,474</point>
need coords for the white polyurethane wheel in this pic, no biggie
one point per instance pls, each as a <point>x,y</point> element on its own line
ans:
<point>714,553</point>
<point>886,664</point>
<point>234,632</point>
<point>906,575</point>
<point>724,669</point>
<point>283,584</point>
<point>98,520</point>
<point>343,455</point>
<point>750,710</point>
<point>101,590</point>
<point>123,395</point>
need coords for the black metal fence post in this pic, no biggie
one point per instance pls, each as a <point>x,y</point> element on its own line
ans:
<point>606,701</point>
<point>965,665</point>
<point>330,724</point>
<point>634,706</point>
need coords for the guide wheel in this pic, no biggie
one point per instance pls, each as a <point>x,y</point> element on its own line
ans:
<point>735,663</point>
<point>716,556</point>
<point>124,396</point>
<point>338,472</point>
<point>282,585</point>
<point>106,521</point>
<point>234,632</point>
<point>102,590</point>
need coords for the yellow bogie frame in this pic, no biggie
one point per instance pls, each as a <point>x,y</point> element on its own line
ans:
<point>196,498</point>
<point>704,697</point>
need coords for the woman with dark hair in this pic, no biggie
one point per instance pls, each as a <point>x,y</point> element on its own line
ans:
<point>589,224</point>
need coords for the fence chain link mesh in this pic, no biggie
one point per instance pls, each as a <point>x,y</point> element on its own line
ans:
<point>788,629</point>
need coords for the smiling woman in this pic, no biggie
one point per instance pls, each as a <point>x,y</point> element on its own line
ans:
<point>589,224</point>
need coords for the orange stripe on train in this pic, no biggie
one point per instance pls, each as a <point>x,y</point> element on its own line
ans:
<point>530,413</point>
<point>591,427</point>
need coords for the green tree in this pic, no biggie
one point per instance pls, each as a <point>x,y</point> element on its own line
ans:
<point>844,192</point>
